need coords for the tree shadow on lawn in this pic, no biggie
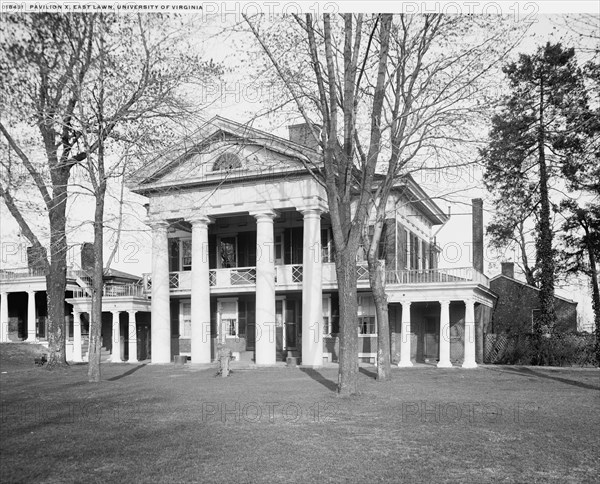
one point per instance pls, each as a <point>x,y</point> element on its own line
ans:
<point>127,373</point>
<point>530,372</point>
<point>370,374</point>
<point>316,376</point>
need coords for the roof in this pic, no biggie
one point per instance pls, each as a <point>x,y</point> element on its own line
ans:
<point>423,201</point>
<point>110,272</point>
<point>147,178</point>
<point>207,133</point>
<point>512,279</point>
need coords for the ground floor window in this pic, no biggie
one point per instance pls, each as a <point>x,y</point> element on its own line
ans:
<point>230,326</point>
<point>367,325</point>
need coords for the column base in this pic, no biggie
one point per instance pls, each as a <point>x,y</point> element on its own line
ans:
<point>132,361</point>
<point>405,364</point>
<point>469,364</point>
<point>116,360</point>
<point>444,364</point>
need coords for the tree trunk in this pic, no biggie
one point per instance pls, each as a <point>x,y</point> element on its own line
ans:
<point>56,279</point>
<point>346,276</point>
<point>94,374</point>
<point>545,253</point>
<point>377,280</point>
<point>595,291</point>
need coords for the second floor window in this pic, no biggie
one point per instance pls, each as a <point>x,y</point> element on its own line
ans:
<point>327,250</point>
<point>186,255</point>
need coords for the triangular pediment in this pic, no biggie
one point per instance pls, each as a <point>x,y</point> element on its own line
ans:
<point>224,149</point>
<point>224,156</point>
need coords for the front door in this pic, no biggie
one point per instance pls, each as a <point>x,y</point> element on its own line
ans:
<point>291,325</point>
<point>286,328</point>
<point>432,339</point>
<point>279,324</point>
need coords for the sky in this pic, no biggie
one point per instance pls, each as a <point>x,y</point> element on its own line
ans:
<point>236,98</point>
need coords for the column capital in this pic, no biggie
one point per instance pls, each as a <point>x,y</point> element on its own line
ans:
<point>311,211</point>
<point>444,302</point>
<point>133,311</point>
<point>405,303</point>
<point>31,292</point>
<point>199,219</point>
<point>116,312</point>
<point>266,214</point>
<point>156,223</point>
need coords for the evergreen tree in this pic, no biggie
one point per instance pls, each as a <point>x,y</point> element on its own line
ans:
<point>534,134</point>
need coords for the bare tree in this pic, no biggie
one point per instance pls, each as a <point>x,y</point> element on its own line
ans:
<point>45,57</point>
<point>130,105</point>
<point>92,85</point>
<point>409,89</point>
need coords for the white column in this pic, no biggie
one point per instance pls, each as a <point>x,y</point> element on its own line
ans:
<point>132,337</point>
<point>161,314</point>
<point>200,311</point>
<point>3,317</point>
<point>469,360</point>
<point>77,353</point>
<point>265,289</point>
<point>312,294</point>
<point>116,338</point>
<point>444,335</point>
<point>31,313</point>
<point>405,336</point>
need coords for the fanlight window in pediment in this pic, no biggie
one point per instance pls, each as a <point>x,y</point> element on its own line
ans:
<point>227,161</point>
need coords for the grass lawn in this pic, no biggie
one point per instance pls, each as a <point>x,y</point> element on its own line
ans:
<point>163,423</point>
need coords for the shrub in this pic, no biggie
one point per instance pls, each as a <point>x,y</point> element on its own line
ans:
<point>559,349</point>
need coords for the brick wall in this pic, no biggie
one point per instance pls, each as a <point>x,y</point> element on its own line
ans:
<point>516,301</point>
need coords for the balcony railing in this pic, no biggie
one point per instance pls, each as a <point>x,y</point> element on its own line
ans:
<point>288,274</point>
<point>115,290</point>
<point>432,276</point>
<point>24,272</point>
<point>232,276</point>
<point>20,273</point>
<point>291,274</point>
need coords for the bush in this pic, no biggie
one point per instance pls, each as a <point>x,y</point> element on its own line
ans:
<point>566,349</point>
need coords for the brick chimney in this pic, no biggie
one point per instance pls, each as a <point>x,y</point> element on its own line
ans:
<point>87,256</point>
<point>477,204</point>
<point>301,134</point>
<point>508,269</point>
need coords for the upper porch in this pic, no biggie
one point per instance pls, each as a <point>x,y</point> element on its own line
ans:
<point>400,284</point>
